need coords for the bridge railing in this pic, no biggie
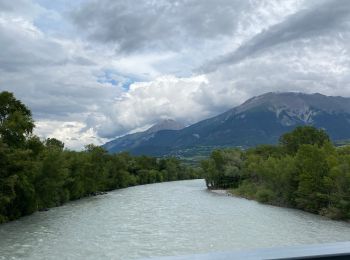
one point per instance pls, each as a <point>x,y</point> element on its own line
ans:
<point>340,250</point>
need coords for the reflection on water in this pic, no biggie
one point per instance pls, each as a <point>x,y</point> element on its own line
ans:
<point>161,219</point>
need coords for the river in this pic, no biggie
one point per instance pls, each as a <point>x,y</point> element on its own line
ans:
<point>171,218</point>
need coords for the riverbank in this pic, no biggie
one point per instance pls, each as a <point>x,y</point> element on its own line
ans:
<point>220,192</point>
<point>236,193</point>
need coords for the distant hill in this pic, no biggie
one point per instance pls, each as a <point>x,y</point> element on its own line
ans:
<point>132,141</point>
<point>259,120</point>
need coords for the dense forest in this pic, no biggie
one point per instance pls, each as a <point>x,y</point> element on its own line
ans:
<point>305,171</point>
<point>38,174</point>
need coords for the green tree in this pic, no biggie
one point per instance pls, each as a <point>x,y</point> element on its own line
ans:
<point>117,175</point>
<point>53,143</point>
<point>21,169</point>
<point>35,146</point>
<point>16,121</point>
<point>303,135</point>
<point>312,169</point>
<point>94,168</point>
<point>223,169</point>
<point>50,183</point>
<point>7,182</point>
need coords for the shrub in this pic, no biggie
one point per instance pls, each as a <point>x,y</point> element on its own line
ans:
<point>264,195</point>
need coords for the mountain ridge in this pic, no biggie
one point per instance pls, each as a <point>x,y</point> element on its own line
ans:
<point>259,120</point>
<point>132,140</point>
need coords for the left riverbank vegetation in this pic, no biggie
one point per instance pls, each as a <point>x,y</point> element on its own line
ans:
<point>38,174</point>
<point>305,171</point>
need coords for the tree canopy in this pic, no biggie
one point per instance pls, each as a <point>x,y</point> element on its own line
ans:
<point>16,121</point>
<point>304,171</point>
<point>303,135</point>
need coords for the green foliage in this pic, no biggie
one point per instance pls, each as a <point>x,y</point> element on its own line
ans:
<point>53,143</point>
<point>264,195</point>
<point>305,171</point>
<point>50,180</point>
<point>15,120</point>
<point>223,168</point>
<point>312,170</point>
<point>303,135</point>
<point>246,189</point>
<point>36,175</point>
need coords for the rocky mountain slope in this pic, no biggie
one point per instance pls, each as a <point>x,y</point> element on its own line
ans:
<point>259,120</point>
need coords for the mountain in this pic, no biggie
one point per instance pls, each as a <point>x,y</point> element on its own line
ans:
<point>132,141</point>
<point>166,124</point>
<point>259,120</point>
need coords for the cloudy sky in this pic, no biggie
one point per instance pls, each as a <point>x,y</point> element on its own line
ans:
<point>91,70</point>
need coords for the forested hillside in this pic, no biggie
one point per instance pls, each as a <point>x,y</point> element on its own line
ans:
<point>36,175</point>
<point>304,171</point>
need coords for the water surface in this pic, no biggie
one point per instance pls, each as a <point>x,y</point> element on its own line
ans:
<point>161,219</point>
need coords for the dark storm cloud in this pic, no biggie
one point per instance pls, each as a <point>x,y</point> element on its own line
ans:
<point>163,24</point>
<point>326,17</point>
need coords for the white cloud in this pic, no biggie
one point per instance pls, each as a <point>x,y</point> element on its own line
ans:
<point>133,70</point>
<point>56,77</point>
<point>74,134</point>
<point>147,102</point>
